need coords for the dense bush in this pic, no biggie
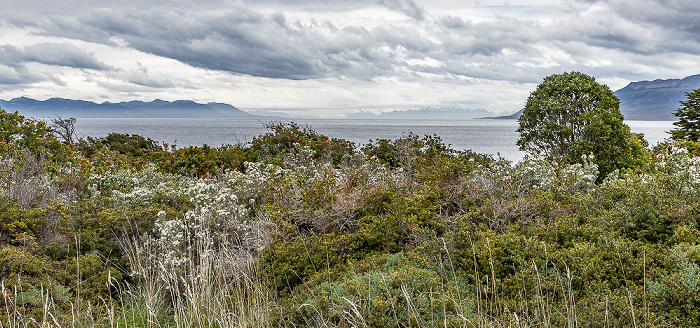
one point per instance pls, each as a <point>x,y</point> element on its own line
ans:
<point>298,229</point>
<point>292,138</point>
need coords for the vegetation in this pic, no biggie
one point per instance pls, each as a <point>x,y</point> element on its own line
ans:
<point>570,116</point>
<point>297,229</point>
<point>688,118</point>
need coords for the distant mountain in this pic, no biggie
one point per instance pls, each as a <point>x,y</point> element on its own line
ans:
<point>434,113</point>
<point>655,100</point>
<point>132,109</point>
<point>513,116</point>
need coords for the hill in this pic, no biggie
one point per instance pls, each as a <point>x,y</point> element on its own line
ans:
<point>513,116</point>
<point>133,109</point>
<point>655,100</point>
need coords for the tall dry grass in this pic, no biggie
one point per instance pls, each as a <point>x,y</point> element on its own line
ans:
<point>218,286</point>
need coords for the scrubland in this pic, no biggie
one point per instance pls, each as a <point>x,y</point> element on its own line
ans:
<point>296,229</point>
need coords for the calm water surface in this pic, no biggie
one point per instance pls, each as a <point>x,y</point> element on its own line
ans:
<point>482,136</point>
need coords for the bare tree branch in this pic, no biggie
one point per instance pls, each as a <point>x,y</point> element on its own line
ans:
<point>64,128</point>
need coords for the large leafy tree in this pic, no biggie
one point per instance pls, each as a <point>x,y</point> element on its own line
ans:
<point>688,118</point>
<point>570,115</point>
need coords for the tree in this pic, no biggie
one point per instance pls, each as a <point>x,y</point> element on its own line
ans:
<point>570,116</point>
<point>64,128</point>
<point>688,118</point>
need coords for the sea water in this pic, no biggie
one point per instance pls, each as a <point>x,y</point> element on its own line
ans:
<point>495,137</point>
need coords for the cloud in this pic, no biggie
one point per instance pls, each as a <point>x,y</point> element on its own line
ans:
<point>238,38</point>
<point>57,54</point>
<point>659,26</point>
<point>62,54</point>
<point>238,41</point>
<point>388,43</point>
<point>20,67</point>
<point>16,76</point>
<point>406,7</point>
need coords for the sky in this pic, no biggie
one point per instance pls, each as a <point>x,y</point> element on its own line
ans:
<point>333,57</point>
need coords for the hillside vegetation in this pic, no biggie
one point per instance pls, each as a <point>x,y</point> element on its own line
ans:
<point>296,229</point>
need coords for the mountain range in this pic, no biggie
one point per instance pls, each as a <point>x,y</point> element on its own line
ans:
<point>645,100</point>
<point>434,113</point>
<point>655,100</point>
<point>136,109</point>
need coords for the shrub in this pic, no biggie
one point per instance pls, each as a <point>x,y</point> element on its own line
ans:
<point>126,144</point>
<point>286,138</point>
<point>394,290</point>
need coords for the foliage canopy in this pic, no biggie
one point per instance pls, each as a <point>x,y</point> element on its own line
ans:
<point>570,116</point>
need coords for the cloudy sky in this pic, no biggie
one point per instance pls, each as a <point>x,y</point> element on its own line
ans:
<point>332,57</point>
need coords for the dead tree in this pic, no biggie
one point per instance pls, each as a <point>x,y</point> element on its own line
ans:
<point>64,128</point>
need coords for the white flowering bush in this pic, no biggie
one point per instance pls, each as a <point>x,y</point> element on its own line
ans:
<point>321,197</point>
<point>579,177</point>
<point>502,178</point>
<point>679,163</point>
<point>674,168</point>
<point>219,220</point>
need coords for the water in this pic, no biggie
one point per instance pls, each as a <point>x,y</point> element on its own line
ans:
<point>482,136</point>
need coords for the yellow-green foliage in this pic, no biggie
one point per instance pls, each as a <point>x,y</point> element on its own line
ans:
<point>18,225</point>
<point>396,290</point>
<point>19,261</point>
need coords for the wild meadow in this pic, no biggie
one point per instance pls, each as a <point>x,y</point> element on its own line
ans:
<point>296,229</point>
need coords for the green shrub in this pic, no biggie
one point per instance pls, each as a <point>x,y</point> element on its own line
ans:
<point>18,226</point>
<point>126,144</point>
<point>18,132</point>
<point>291,138</point>
<point>395,290</point>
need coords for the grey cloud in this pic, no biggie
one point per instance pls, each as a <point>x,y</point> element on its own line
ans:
<point>148,80</point>
<point>406,7</point>
<point>16,76</point>
<point>678,19</point>
<point>62,54</point>
<point>21,76</point>
<point>17,64</point>
<point>453,22</point>
<point>10,56</point>
<point>58,54</point>
<point>245,42</point>
<point>239,40</point>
